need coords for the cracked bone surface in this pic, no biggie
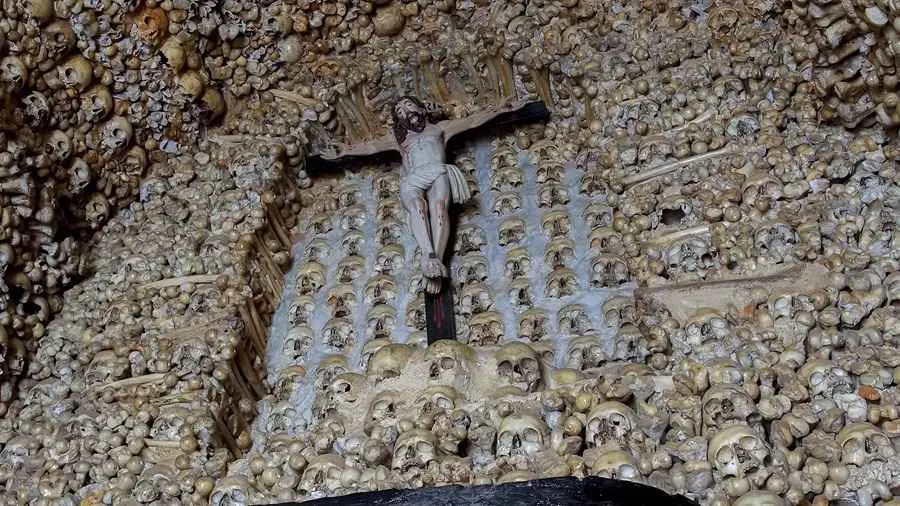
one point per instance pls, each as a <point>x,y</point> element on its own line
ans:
<point>687,278</point>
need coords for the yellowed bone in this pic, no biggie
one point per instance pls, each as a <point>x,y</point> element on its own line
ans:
<point>666,168</point>
<point>294,97</point>
<point>198,278</point>
<point>137,380</point>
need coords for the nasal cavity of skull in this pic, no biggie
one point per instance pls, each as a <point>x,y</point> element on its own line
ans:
<point>672,216</point>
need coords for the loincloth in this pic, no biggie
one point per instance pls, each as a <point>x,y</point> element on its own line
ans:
<point>423,176</point>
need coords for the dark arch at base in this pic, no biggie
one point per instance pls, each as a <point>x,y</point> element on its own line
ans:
<point>566,491</point>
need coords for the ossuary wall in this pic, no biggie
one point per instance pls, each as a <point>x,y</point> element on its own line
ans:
<point>687,277</point>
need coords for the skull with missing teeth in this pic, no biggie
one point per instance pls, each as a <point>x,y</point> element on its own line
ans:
<point>737,450</point>
<point>862,443</point>
<point>522,434</point>
<point>449,359</point>
<point>533,325</point>
<point>519,365</point>
<point>725,405</point>
<point>414,448</point>
<point>825,378</point>
<point>609,425</point>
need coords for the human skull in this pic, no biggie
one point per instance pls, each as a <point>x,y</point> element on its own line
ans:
<point>522,434</point>
<point>328,369</point>
<point>475,298</point>
<point>338,333</point>
<point>297,343</point>
<point>76,72</point>
<point>609,271</point>
<point>388,362</point>
<point>231,491</point>
<point>388,209</point>
<point>36,108</point>
<point>737,451</point>
<point>281,417</point>
<point>619,310</point>
<point>350,268</point>
<point>507,203</point>
<point>597,215</point>
<point>96,210</point>
<point>288,380</point>
<point>414,448</point>
<point>300,310</point>
<point>609,425</point>
<point>448,359</point>
<point>550,173</point>
<point>379,322</point>
<point>561,282</point>
<point>862,443</point>
<point>486,328</point>
<point>322,474</point>
<point>532,325</point>
<point>13,73</point>
<point>58,146</point>
<point>472,269</point>
<point>585,352</point>
<point>705,325</point>
<point>520,293</point>
<point>415,313</point>
<point>551,195</point>
<point>573,319</point>
<point>59,38</point>
<point>342,299</point>
<point>349,195</point>
<point>353,218</point>
<point>470,239</point>
<point>511,232</point>
<point>725,404</point>
<point>320,224</point>
<point>615,464</point>
<point>380,290</point>
<point>556,224</point>
<point>105,367</point>
<point>605,240</point>
<point>507,178</point>
<point>825,378</point>
<point>559,252</point>
<point>519,365</point>
<point>79,176</point>
<point>389,259</point>
<point>518,263</point>
<point>760,498</point>
<point>389,232</point>
<point>310,278</point>
<point>318,250</point>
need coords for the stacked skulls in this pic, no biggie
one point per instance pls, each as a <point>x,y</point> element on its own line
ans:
<point>687,278</point>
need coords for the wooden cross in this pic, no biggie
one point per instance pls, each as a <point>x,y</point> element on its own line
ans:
<point>428,186</point>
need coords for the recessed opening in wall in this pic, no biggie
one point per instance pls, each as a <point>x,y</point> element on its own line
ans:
<point>672,216</point>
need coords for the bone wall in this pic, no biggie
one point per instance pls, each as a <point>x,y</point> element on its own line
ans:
<point>742,156</point>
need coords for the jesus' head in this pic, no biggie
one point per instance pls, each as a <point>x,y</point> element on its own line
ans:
<point>409,114</point>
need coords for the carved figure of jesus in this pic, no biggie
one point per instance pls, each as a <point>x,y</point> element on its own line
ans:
<point>428,183</point>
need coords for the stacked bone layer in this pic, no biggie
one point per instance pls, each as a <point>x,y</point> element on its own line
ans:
<point>688,278</point>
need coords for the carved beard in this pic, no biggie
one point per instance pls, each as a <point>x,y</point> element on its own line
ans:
<point>410,121</point>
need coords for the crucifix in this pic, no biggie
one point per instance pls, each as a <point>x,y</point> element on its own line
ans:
<point>428,186</point>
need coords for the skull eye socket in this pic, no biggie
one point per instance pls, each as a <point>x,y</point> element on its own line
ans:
<point>749,443</point>
<point>447,363</point>
<point>725,456</point>
<point>532,436</point>
<point>617,420</point>
<point>816,378</point>
<point>443,403</point>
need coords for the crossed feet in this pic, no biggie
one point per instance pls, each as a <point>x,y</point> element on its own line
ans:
<point>433,271</point>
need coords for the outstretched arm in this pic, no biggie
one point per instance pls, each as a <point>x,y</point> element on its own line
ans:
<point>339,150</point>
<point>458,126</point>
